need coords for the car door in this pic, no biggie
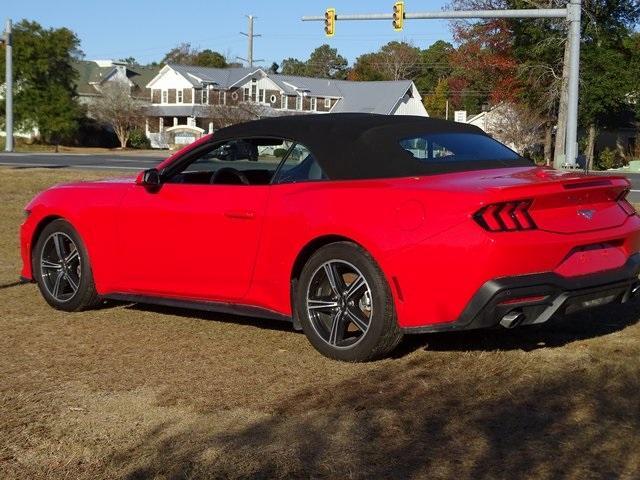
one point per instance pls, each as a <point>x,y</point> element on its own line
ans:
<point>191,238</point>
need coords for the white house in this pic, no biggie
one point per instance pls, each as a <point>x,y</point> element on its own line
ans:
<point>184,98</point>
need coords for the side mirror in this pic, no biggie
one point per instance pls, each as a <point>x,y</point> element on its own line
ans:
<point>149,178</point>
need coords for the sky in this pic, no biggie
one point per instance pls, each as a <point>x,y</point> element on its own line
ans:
<point>146,30</point>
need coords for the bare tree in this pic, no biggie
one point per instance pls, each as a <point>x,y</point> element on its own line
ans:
<point>115,107</point>
<point>398,60</point>
<point>517,126</point>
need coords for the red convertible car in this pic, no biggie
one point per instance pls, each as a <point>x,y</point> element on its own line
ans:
<point>358,228</point>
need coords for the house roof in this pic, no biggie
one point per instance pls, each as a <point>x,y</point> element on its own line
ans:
<point>90,73</point>
<point>368,97</point>
<point>224,77</point>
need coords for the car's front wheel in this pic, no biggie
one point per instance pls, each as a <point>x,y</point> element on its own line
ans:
<point>61,268</point>
<point>345,305</point>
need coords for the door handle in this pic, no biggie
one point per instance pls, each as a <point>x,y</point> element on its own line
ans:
<point>241,214</point>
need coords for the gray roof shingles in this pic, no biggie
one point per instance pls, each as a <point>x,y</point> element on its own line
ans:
<point>372,97</point>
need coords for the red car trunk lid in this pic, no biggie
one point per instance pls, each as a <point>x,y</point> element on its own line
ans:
<point>567,202</point>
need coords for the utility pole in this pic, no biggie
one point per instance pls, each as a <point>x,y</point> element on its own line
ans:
<point>8,147</point>
<point>572,14</point>
<point>250,36</point>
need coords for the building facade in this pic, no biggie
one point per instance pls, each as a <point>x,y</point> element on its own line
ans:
<point>188,101</point>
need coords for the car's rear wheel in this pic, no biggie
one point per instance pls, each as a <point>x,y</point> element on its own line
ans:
<point>345,306</point>
<point>61,268</point>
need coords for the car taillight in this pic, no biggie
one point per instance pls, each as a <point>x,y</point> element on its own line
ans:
<point>624,203</point>
<point>506,217</point>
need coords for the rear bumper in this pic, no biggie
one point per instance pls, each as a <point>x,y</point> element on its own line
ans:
<point>538,297</point>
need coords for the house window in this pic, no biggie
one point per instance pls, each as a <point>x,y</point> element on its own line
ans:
<point>179,96</point>
<point>245,94</point>
<point>283,101</point>
<point>261,95</point>
<point>314,101</point>
<point>273,99</point>
<point>327,103</point>
<point>254,90</point>
<point>205,95</point>
<point>298,102</point>
<point>165,96</point>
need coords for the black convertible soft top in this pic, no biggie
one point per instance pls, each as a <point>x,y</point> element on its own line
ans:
<point>362,145</point>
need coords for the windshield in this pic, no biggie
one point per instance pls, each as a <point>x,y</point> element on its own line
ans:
<point>457,147</point>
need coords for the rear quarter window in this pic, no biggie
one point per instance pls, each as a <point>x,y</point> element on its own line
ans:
<point>457,147</point>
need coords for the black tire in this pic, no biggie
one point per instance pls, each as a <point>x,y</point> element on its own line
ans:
<point>77,271</point>
<point>381,333</point>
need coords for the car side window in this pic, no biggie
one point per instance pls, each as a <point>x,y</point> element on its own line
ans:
<point>300,165</point>
<point>247,161</point>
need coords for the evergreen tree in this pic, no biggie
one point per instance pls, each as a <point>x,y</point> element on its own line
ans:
<point>45,96</point>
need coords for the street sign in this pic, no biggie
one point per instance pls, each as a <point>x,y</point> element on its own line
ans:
<point>460,116</point>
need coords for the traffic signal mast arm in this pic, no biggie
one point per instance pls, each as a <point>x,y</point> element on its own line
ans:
<point>572,13</point>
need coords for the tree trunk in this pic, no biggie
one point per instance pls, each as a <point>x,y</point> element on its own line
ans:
<point>123,136</point>
<point>548,143</point>
<point>591,146</point>
<point>620,147</point>
<point>561,132</point>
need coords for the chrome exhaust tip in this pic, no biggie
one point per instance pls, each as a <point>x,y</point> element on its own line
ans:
<point>635,290</point>
<point>512,319</point>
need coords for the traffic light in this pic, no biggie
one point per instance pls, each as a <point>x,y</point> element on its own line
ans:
<point>398,16</point>
<point>330,22</point>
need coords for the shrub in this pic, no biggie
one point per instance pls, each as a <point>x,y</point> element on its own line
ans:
<point>608,158</point>
<point>279,152</point>
<point>138,139</point>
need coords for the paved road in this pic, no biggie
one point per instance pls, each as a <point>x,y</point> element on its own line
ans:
<point>140,162</point>
<point>82,161</point>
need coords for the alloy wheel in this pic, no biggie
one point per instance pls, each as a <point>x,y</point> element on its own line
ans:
<point>60,266</point>
<point>339,304</point>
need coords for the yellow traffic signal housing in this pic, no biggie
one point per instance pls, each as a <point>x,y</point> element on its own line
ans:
<point>398,16</point>
<point>330,22</point>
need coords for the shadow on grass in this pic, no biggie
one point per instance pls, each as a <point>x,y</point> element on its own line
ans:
<point>557,332</point>
<point>264,323</point>
<point>409,420</point>
<point>12,284</point>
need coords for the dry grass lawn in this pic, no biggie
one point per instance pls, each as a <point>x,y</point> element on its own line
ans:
<point>137,392</point>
